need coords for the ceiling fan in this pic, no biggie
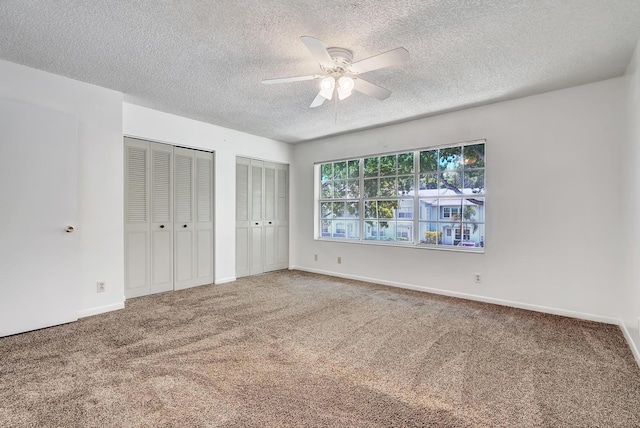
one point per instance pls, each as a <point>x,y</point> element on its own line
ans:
<point>341,74</point>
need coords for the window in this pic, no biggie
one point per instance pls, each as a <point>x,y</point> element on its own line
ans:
<point>433,197</point>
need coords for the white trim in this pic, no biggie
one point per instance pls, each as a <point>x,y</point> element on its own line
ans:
<point>100,309</point>
<point>632,345</point>
<point>224,280</point>
<point>501,302</point>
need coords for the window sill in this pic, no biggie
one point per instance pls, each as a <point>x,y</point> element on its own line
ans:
<point>478,250</point>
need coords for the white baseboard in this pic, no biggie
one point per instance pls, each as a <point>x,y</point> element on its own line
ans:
<point>225,280</point>
<point>629,338</point>
<point>100,310</point>
<point>527,306</point>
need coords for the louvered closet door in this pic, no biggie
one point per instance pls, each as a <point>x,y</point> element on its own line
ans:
<point>256,250</point>
<point>204,218</point>
<point>282,214</point>
<point>184,218</point>
<point>243,210</point>
<point>161,218</point>
<point>136,234</point>
<point>270,227</point>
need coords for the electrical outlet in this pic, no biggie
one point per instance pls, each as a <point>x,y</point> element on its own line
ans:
<point>101,286</point>
<point>315,257</point>
<point>478,278</point>
<point>339,260</point>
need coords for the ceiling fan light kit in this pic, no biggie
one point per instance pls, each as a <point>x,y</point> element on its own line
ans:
<point>341,74</point>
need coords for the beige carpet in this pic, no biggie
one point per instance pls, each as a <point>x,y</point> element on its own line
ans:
<point>303,350</point>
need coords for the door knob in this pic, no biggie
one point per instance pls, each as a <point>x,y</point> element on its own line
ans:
<point>184,225</point>
<point>69,229</point>
<point>269,222</point>
<point>162,226</point>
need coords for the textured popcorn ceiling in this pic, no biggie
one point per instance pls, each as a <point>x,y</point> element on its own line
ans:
<point>205,59</point>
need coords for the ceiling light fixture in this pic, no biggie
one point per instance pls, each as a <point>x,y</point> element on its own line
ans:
<point>345,86</point>
<point>327,86</point>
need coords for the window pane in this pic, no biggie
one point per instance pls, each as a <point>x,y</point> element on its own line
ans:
<point>474,235</point>
<point>370,209</point>
<point>371,167</point>
<point>428,181</point>
<point>430,234</point>
<point>325,210</point>
<point>338,209</point>
<point>449,180</point>
<point>354,169</point>
<point>370,187</point>
<point>450,158</point>
<point>387,165</point>
<point>353,188</point>
<point>473,182</point>
<point>353,229</point>
<point>339,229</point>
<point>428,209</point>
<point>405,163</point>
<point>428,161</point>
<point>405,211</point>
<point>371,229</point>
<point>473,210</point>
<point>326,171</point>
<point>474,156</point>
<point>339,189</point>
<point>387,209</point>
<point>340,170</point>
<point>387,186</point>
<point>405,185</point>
<point>448,233</point>
<point>404,231</point>
<point>450,210</point>
<point>325,227</point>
<point>327,190</point>
<point>353,209</point>
<point>386,230</point>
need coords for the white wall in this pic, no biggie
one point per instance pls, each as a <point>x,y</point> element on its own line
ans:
<point>553,237</point>
<point>630,297</point>
<point>153,125</point>
<point>100,179</point>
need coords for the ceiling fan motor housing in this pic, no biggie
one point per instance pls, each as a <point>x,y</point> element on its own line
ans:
<point>341,57</point>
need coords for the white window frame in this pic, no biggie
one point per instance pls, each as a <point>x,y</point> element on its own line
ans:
<point>362,224</point>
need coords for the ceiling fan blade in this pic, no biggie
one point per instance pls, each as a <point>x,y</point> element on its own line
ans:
<point>387,59</point>
<point>318,51</point>
<point>370,89</point>
<point>318,100</point>
<point>290,79</point>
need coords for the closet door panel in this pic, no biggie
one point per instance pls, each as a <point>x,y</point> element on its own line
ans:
<point>243,213</point>
<point>257,210</point>
<point>270,222</point>
<point>282,252</point>
<point>184,221</point>
<point>204,218</point>
<point>161,218</point>
<point>136,237</point>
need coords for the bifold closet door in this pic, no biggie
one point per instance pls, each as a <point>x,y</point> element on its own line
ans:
<point>249,223</point>
<point>148,218</point>
<point>168,218</point>
<point>193,248</point>
<point>262,227</point>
